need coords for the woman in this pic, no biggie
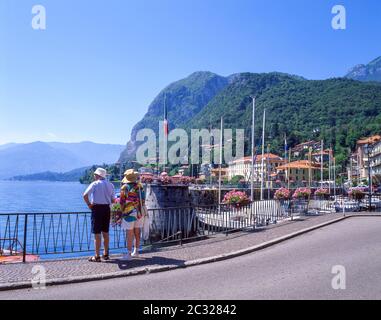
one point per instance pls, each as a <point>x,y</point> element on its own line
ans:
<point>131,200</point>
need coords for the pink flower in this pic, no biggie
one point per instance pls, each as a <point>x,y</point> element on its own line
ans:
<point>282,194</point>
<point>301,193</point>
<point>321,192</point>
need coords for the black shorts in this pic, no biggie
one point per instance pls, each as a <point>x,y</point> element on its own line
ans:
<point>100,218</point>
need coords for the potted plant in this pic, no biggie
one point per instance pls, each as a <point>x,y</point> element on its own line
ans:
<point>236,199</point>
<point>282,194</point>
<point>200,181</point>
<point>357,193</point>
<point>321,193</point>
<point>185,180</point>
<point>147,179</point>
<point>302,194</point>
<point>301,198</point>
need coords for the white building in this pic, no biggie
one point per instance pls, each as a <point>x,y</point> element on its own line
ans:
<point>243,167</point>
<point>359,163</point>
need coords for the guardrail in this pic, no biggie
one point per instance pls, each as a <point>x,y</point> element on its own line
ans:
<point>62,233</point>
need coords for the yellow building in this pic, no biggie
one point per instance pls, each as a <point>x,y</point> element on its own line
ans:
<point>300,171</point>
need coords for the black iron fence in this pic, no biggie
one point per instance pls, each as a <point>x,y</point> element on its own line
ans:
<point>43,234</point>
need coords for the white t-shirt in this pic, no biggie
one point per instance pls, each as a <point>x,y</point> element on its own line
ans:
<point>100,192</point>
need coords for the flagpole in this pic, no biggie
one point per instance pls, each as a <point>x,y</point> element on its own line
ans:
<point>329,170</point>
<point>285,147</point>
<point>309,167</point>
<point>220,165</point>
<point>288,169</point>
<point>268,172</point>
<point>263,151</point>
<point>334,178</point>
<point>321,164</point>
<point>165,126</point>
<point>252,150</point>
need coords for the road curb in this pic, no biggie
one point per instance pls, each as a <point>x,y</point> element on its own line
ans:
<point>190,263</point>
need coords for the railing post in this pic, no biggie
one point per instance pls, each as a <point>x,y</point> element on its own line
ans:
<point>25,238</point>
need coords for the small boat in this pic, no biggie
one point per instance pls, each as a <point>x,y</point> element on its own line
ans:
<point>8,256</point>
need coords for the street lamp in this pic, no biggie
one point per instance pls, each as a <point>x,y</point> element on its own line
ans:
<point>368,150</point>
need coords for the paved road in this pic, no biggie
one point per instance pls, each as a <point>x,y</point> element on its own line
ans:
<point>300,268</point>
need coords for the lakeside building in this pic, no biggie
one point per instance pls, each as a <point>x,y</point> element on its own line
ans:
<point>353,169</point>
<point>326,154</point>
<point>216,172</point>
<point>243,167</point>
<point>359,162</point>
<point>301,171</point>
<point>375,161</point>
<point>305,147</point>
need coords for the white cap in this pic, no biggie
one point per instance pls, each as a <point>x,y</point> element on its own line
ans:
<point>101,172</point>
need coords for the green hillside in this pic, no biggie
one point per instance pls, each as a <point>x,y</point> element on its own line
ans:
<point>341,110</point>
<point>184,99</point>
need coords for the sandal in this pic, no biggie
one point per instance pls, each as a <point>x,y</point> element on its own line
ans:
<point>95,259</point>
<point>106,257</point>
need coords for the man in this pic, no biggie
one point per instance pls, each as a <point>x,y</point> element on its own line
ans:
<point>98,197</point>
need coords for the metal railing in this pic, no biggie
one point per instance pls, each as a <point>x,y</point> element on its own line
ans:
<point>62,233</point>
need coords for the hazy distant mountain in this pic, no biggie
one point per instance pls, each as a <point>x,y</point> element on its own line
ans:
<point>90,152</point>
<point>369,72</point>
<point>7,145</point>
<point>73,175</point>
<point>37,157</point>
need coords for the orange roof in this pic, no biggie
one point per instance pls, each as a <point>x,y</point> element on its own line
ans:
<point>301,164</point>
<point>304,144</point>
<point>369,140</point>
<point>222,170</point>
<point>325,152</point>
<point>269,156</point>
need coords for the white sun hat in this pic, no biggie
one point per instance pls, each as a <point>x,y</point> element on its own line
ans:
<point>101,172</point>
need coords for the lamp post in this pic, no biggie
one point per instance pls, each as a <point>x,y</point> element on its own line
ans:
<point>369,148</point>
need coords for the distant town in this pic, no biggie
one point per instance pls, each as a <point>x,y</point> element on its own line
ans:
<point>307,164</point>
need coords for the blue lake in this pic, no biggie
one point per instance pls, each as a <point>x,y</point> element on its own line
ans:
<point>51,233</point>
<point>41,196</point>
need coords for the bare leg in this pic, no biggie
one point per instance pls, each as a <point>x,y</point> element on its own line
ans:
<point>97,242</point>
<point>137,239</point>
<point>130,240</point>
<point>106,242</point>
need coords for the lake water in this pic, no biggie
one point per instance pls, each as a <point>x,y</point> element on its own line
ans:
<point>41,196</point>
<point>48,233</point>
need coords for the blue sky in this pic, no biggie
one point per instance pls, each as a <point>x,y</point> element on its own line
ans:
<point>93,72</point>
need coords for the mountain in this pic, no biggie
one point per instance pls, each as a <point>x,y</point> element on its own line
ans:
<point>338,110</point>
<point>7,145</point>
<point>369,72</point>
<point>73,175</point>
<point>184,99</point>
<point>37,157</point>
<point>90,152</point>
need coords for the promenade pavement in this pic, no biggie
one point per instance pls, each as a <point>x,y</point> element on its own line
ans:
<point>219,247</point>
